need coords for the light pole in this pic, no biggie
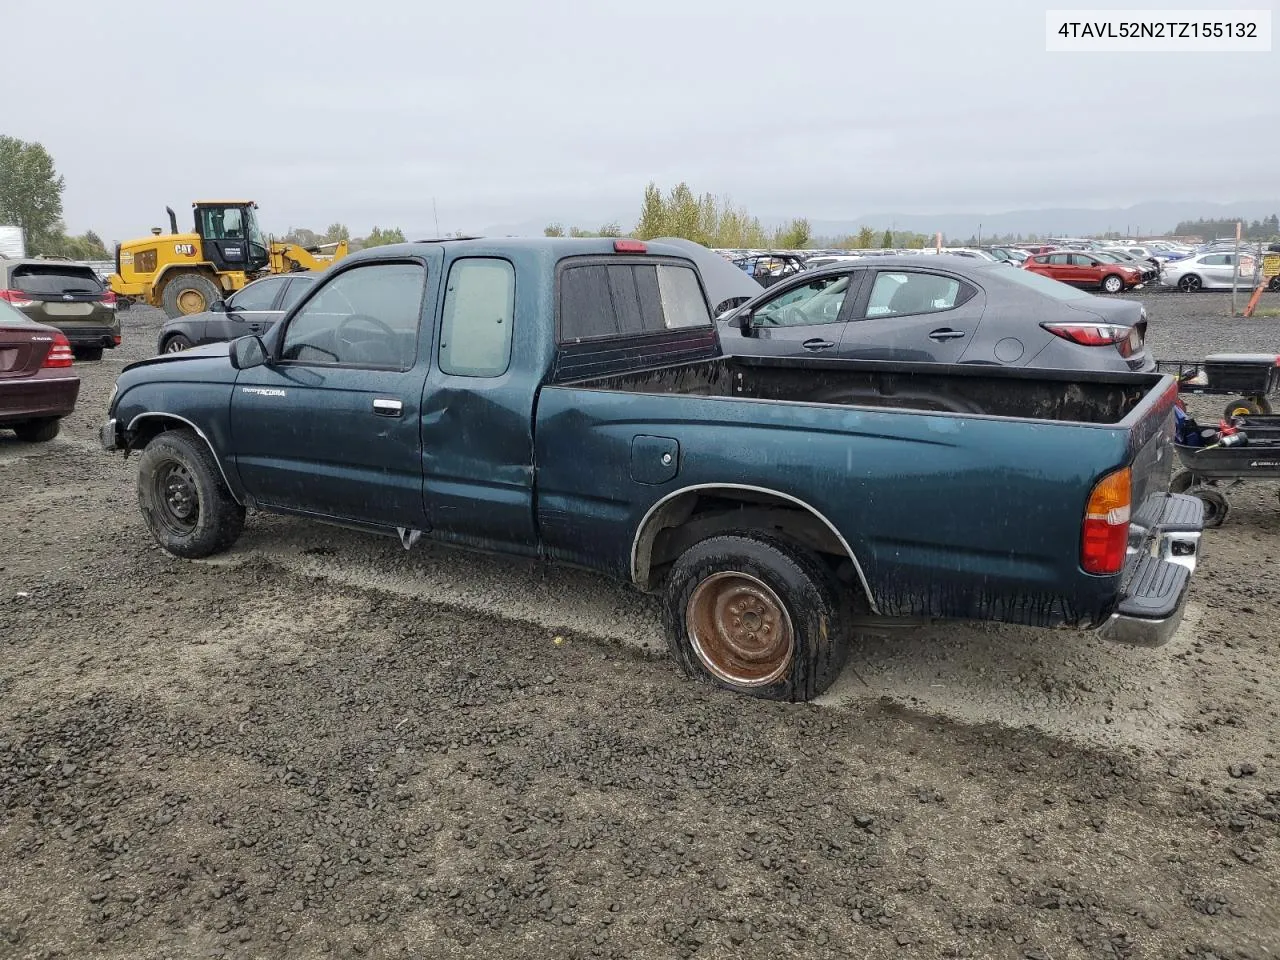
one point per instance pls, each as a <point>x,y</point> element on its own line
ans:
<point>979,234</point>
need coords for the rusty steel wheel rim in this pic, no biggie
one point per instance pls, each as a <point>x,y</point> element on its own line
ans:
<point>739,629</point>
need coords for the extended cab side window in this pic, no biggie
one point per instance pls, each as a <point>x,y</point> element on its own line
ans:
<point>367,316</point>
<point>818,301</point>
<point>479,312</point>
<point>895,294</point>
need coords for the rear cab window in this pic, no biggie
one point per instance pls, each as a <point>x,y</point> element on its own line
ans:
<point>43,280</point>
<point>601,299</point>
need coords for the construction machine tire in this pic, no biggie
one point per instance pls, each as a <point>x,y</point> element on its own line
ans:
<point>189,293</point>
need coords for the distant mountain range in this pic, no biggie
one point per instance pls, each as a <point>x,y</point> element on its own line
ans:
<point>1155,217</point>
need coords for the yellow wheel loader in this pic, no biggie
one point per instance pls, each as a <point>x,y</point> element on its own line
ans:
<point>184,273</point>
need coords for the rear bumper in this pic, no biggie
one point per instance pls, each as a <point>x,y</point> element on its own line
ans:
<point>38,398</point>
<point>1159,573</point>
<point>90,336</point>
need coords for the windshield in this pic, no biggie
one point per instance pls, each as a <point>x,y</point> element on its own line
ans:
<point>255,232</point>
<point>1042,284</point>
<point>1107,257</point>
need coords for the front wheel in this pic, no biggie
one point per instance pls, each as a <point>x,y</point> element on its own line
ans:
<point>757,616</point>
<point>185,502</point>
<point>1112,283</point>
<point>189,293</point>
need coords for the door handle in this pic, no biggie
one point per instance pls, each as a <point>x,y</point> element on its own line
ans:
<point>946,333</point>
<point>816,344</point>
<point>387,408</point>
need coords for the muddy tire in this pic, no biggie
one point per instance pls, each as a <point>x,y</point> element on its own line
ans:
<point>185,502</point>
<point>189,293</point>
<point>1112,283</point>
<point>1216,506</point>
<point>37,431</point>
<point>1245,407</point>
<point>757,616</point>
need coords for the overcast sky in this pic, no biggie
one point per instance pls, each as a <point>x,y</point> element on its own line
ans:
<point>507,111</point>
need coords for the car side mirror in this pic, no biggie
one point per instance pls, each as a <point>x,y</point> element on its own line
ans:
<point>248,352</point>
<point>218,306</point>
<point>745,322</point>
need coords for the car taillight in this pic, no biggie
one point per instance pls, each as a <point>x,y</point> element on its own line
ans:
<point>1105,532</point>
<point>108,299</point>
<point>60,354</point>
<point>16,297</point>
<point>1089,334</point>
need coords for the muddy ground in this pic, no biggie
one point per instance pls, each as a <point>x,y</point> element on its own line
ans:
<point>320,745</point>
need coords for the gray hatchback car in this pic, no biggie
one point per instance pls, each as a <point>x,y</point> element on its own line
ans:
<point>939,309</point>
<point>65,295</point>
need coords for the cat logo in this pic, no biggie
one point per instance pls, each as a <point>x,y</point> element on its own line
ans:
<point>185,249</point>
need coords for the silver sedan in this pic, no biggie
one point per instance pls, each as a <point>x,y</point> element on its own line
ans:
<point>1207,271</point>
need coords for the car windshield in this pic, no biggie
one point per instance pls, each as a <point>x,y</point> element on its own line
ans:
<point>1108,257</point>
<point>1043,284</point>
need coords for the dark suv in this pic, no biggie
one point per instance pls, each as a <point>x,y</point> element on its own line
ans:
<point>65,295</point>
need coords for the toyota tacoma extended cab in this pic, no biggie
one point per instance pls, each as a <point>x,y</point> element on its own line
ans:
<point>568,400</point>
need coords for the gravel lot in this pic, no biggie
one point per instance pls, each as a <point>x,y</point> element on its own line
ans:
<point>321,745</point>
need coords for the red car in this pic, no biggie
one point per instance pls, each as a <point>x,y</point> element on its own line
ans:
<point>37,387</point>
<point>1084,270</point>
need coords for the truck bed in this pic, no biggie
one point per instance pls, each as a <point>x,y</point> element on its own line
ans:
<point>969,389</point>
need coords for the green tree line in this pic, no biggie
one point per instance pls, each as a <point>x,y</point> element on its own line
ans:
<point>336,232</point>
<point>1268,228</point>
<point>31,198</point>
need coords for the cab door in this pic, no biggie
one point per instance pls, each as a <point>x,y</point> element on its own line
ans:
<point>331,426</point>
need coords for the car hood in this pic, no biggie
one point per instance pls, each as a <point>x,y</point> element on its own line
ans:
<point>722,279</point>
<point>220,349</point>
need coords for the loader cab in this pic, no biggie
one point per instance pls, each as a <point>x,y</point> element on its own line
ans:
<point>230,235</point>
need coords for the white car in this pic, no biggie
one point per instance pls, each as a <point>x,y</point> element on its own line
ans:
<point>1207,271</point>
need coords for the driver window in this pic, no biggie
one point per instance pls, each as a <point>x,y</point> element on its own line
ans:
<point>818,301</point>
<point>364,317</point>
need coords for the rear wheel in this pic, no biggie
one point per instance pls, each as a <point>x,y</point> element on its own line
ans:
<point>189,293</point>
<point>176,344</point>
<point>184,500</point>
<point>1190,283</point>
<point>1112,283</point>
<point>758,616</point>
<point>1216,507</point>
<point>88,353</point>
<point>37,431</point>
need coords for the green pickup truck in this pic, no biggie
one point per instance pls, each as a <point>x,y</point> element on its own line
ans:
<point>568,400</point>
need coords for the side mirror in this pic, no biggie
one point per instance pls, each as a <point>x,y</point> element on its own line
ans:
<point>743,322</point>
<point>218,306</point>
<point>248,352</point>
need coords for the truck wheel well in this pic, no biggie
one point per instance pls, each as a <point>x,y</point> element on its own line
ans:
<point>146,427</point>
<point>677,523</point>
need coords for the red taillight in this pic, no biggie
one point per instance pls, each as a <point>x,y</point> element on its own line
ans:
<point>1089,334</point>
<point>1105,532</point>
<point>116,339</point>
<point>109,298</point>
<point>60,354</point>
<point>630,246</point>
<point>16,297</point>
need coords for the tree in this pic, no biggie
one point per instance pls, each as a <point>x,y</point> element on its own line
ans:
<point>30,193</point>
<point>337,232</point>
<point>866,237</point>
<point>610,229</point>
<point>684,215</point>
<point>653,214</point>
<point>794,236</point>
<point>302,237</point>
<point>378,237</point>
<point>553,230</point>
<point>887,242</point>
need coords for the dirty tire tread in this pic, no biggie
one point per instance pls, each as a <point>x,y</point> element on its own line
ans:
<point>1216,506</point>
<point>188,281</point>
<point>221,519</point>
<point>819,607</point>
<point>37,431</point>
